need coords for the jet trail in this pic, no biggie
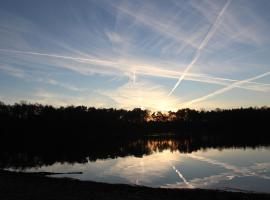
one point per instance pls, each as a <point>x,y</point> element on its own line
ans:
<point>227,88</point>
<point>60,56</point>
<point>205,41</point>
<point>147,70</point>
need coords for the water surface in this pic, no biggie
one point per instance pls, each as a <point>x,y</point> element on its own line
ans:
<point>241,168</point>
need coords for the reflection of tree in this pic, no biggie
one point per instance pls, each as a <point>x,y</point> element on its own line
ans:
<point>103,149</point>
<point>172,145</point>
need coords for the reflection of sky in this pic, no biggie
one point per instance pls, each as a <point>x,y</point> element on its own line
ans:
<point>131,53</point>
<point>238,157</point>
<point>247,183</point>
<point>202,169</point>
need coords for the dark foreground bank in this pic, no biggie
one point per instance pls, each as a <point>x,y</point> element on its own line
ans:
<point>36,186</point>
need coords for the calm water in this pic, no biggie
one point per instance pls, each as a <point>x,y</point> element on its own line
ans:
<point>228,169</point>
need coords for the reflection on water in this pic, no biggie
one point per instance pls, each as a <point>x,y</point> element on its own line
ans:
<point>163,163</point>
<point>202,169</point>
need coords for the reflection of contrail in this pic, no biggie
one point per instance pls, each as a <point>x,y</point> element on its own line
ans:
<point>222,164</point>
<point>236,172</point>
<point>213,179</point>
<point>182,177</point>
<point>242,171</point>
<point>208,36</point>
<point>203,182</point>
<point>225,89</point>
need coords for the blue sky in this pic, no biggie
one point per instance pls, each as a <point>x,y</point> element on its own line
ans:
<point>152,54</point>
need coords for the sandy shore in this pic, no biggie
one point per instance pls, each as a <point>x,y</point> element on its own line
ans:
<point>24,186</point>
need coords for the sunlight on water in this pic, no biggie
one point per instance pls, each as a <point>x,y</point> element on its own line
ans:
<point>232,169</point>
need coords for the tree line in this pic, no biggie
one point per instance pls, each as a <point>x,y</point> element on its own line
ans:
<point>25,117</point>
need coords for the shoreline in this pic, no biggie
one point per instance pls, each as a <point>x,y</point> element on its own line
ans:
<point>19,185</point>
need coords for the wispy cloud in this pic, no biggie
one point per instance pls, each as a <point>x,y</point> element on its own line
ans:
<point>53,98</point>
<point>162,26</point>
<point>61,84</point>
<point>22,74</point>
<point>13,71</point>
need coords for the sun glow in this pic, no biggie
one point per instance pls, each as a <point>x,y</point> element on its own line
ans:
<point>145,95</point>
<point>164,105</point>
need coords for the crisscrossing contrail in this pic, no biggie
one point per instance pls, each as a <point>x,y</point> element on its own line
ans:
<point>205,41</point>
<point>227,88</point>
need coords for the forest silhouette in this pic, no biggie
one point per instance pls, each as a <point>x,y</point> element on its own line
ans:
<point>45,121</point>
<point>36,135</point>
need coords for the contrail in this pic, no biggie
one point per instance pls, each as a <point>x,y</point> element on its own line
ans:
<point>205,41</point>
<point>60,56</point>
<point>227,88</point>
<point>148,70</point>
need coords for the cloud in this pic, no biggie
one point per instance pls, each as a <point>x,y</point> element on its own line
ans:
<point>150,16</point>
<point>13,71</point>
<point>61,84</point>
<point>22,74</point>
<point>114,37</point>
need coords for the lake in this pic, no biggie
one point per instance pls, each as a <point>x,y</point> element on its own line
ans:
<point>169,164</point>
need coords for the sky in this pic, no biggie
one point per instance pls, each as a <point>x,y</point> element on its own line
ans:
<point>149,54</point>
